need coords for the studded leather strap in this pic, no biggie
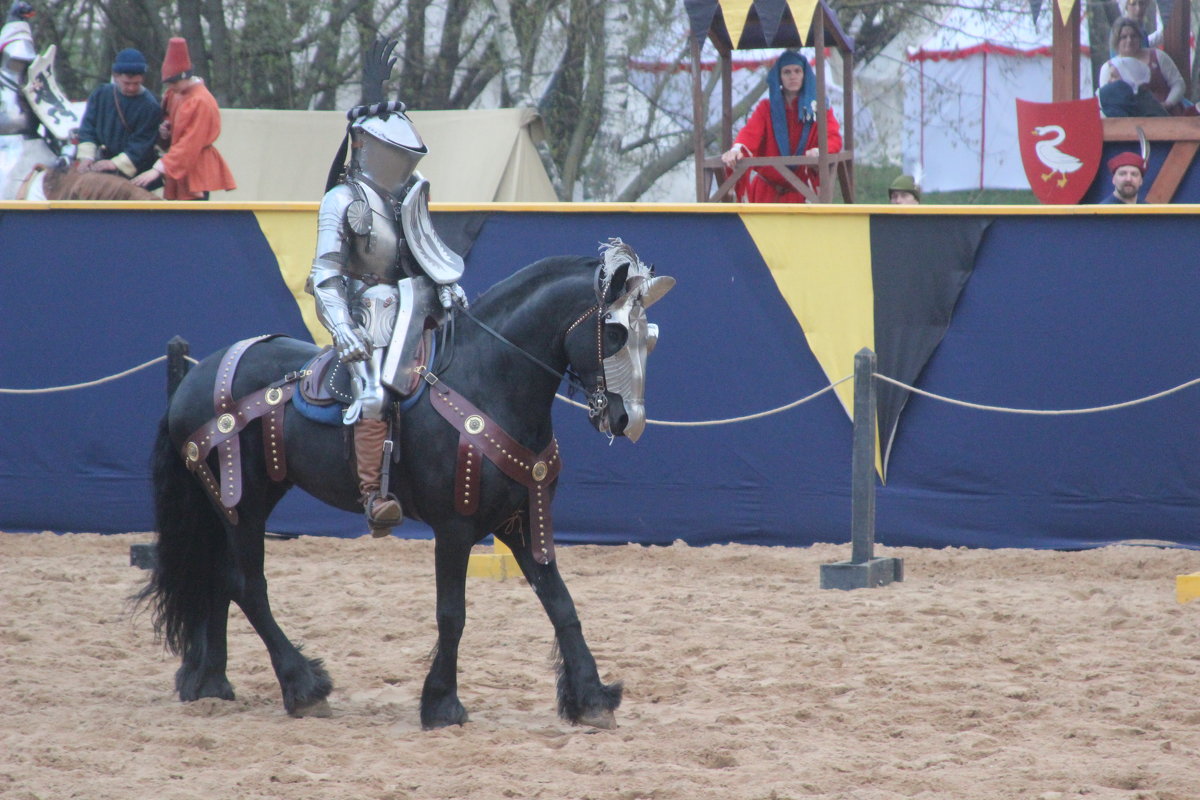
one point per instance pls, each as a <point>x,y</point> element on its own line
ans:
<point>480,435</point>
<point>229,453</point>
<point>223,430</point>
<point>269,403</point>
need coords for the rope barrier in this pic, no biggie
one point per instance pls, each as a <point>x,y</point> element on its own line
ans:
<point>747,417</point>
<point>730,420</point>
<point>1040,412</point>
<point>97,382</point>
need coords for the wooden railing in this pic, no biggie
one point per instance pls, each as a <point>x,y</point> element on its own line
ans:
<point>839,166</point>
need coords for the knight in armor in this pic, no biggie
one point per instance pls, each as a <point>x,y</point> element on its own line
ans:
<point>16,54</point>
<point>22,149</point>
<point>381,276</point>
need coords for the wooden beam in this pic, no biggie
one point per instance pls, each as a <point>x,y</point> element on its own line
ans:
<point>1171,173</point>
<point>824,191</point>
<point>1065,52</point>
<point>726,101</point>
<point>846,170</point>
<point>1157,129</point>
<point>1176,35</point>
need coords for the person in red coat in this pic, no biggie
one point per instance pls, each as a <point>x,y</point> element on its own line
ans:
<point>191,167</point>
<point>783,124</point>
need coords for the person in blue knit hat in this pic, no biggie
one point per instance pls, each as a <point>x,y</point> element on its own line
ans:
<point>785,123</point>
<point>120,125</point>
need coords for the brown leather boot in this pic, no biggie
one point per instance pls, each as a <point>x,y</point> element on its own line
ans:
<point>383,510</point>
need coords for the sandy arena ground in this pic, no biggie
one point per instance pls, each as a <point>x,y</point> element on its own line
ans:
<point>985,675</point>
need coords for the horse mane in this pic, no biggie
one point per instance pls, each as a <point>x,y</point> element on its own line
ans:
<point>555,271</point>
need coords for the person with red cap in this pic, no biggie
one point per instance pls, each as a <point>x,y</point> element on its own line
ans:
<point>1128,171</point>
<point>191,167</point>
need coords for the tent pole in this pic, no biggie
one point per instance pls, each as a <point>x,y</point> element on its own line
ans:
<point>698,121</point>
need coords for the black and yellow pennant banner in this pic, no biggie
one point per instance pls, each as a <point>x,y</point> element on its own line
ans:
<point>886,282</point>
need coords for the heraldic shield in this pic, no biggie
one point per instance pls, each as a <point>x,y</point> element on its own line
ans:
<point>1061,146</point>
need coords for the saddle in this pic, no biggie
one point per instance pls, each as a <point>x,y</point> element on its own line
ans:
<point>326,384</point>
<point>326,380</point>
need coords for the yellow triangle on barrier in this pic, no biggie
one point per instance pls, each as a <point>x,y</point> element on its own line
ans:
<point>1187,587</point>
<point>293,239</point>
<point>1065,7</point>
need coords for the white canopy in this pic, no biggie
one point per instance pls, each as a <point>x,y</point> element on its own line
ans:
<point>960,95</point>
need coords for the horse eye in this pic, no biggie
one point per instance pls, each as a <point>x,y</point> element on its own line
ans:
<point>614,338</point>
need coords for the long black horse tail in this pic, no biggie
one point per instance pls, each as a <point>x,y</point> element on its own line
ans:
<point>192,555</point>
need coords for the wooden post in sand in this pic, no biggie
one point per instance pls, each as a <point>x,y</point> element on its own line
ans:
<point>863,569</point>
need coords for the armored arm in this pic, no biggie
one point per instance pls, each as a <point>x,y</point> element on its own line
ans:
<point>327,281</point>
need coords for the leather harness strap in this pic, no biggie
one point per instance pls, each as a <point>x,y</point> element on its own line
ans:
<point>229,452</point>
<point>222,431</point>
<point>480,436</point>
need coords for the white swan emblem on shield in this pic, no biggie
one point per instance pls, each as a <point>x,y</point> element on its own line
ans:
<point>1052,158</point>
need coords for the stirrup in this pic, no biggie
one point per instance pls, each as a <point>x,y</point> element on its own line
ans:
<point>382,525</point>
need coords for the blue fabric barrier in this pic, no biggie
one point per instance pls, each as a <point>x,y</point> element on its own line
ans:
<point>1060,311</point>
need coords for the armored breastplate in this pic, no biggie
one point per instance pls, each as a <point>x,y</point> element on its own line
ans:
<point>375,248</point>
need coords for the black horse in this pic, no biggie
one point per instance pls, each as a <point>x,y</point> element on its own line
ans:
<point>507,357</point>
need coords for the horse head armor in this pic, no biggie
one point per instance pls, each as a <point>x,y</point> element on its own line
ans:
<point>623,373</point>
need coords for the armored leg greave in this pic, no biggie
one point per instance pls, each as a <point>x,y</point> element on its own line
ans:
<point>370,397</point>
<point>382,508</point>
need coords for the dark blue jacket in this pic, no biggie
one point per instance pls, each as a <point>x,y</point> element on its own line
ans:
<point>135,136</point>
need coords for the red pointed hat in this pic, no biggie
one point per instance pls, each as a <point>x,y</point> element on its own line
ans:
<point>177,63</point>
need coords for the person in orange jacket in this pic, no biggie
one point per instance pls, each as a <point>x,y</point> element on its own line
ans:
<point>785,123</point>
<point>191,166</point>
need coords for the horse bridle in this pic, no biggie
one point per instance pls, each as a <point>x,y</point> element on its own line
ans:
<point>597,399</point>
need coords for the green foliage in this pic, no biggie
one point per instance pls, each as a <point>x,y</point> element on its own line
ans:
<point>871,186</point>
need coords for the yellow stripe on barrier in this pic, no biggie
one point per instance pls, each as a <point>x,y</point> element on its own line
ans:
<point>497,565</point>
<point>1187,587</point>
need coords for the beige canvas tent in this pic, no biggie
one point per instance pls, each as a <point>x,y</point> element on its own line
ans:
<point>474,156</point>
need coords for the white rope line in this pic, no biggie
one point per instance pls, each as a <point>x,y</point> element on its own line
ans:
<point>1040,412</point>
<point>97,382</point>
<point>728,421</point>
<point>703,423</point>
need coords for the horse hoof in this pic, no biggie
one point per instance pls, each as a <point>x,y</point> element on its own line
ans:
<point>605,719</point>
<point>318,709</point>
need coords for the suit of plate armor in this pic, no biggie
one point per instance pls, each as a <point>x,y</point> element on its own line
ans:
<point>380,275</point>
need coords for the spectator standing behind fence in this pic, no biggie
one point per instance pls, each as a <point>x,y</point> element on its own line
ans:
<point>904,191</point>
<point>191,167</point>
<point>1164,83</point>
<point>1128,171</point>
<point>783,124</point>
<point>120,124</point>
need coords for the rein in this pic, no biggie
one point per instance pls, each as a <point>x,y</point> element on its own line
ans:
<point>596,400</point>
<point>597,397</point>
